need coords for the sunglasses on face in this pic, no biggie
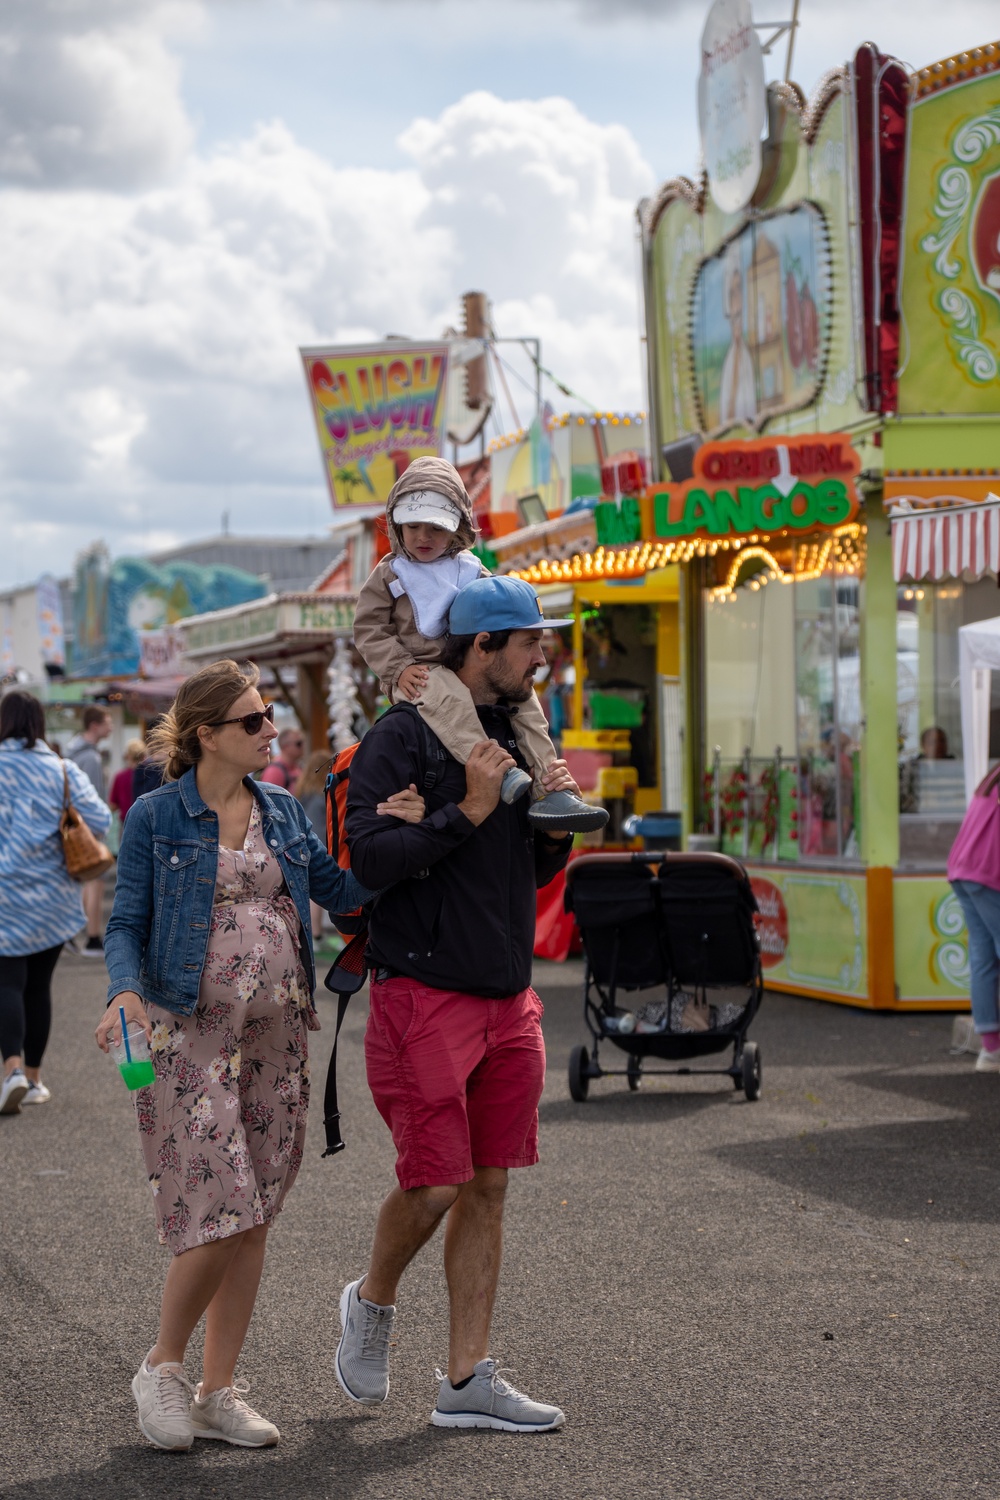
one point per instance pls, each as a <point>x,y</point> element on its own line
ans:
<point>252,723</point>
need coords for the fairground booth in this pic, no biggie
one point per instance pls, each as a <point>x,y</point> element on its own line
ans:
<point>823,335</point>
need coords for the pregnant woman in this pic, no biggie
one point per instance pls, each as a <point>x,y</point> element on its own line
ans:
<point>209,950</point>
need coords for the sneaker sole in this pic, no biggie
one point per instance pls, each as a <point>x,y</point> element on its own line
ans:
<point>571,823</point>
<point>345,1297</point>
<point>43,1100</point>
<point>157,1442</point>
<point>223,1437</point>
<point>12,1103</point>
<point>497,1424</point>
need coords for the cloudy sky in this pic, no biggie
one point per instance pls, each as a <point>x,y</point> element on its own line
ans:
<point>190,189</point>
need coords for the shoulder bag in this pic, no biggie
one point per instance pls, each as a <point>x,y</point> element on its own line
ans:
<point>86,856</point>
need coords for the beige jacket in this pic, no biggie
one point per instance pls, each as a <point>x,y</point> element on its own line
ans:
<point>385,631</point>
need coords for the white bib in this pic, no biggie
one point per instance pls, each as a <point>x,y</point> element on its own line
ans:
<point>431,588</point>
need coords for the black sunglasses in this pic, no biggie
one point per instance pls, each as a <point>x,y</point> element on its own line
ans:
<point>252,723</point>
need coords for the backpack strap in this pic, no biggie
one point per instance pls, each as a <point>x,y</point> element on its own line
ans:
<point>344,980</point>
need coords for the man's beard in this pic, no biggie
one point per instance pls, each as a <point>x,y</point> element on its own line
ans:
<point>503,681</point>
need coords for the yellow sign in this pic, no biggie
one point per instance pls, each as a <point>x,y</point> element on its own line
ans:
<point>376,409</point>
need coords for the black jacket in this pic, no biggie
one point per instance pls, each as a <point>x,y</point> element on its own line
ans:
<point>460,911</point>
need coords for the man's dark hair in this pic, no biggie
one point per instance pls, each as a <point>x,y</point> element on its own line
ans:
<point>21,718</point>
<point>455,647</point>
<point>93,714</point>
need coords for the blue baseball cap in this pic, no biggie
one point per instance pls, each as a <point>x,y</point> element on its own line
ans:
<point>498,604</point>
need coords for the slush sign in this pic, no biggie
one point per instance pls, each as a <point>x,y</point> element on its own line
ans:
<point>376,409</point>
<point>771,484</point>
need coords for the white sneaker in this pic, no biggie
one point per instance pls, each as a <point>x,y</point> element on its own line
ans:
<point>163,1396</point>
<point>12,1091</point>
<point>988,1062</point>
<point>224,1414</point>
<point>37,1094</point>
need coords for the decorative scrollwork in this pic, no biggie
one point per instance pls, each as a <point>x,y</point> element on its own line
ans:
<point>954,192</point>
<point>978,358</point>
<point>974,139</point>
<point>950,960</point>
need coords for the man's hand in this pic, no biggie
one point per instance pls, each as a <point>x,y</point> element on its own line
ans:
<point>485,769</point>
<point>558,779</point>
<point>407,805</point>
<point>411,681</point>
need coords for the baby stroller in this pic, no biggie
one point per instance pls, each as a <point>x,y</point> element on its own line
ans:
<point>682,924</point>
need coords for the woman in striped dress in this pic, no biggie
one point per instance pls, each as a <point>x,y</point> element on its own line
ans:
<point>40,906</point>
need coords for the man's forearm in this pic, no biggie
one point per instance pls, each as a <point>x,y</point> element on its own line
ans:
<point>381,855</point>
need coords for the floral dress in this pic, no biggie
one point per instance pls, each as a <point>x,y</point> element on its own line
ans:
<point>222,1127</point>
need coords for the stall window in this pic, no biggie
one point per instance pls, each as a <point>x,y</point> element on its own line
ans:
<point>929,721</point>
<point>783,717</point>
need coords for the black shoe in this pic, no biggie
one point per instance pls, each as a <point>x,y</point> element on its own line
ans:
<point>93,948</point>
<point>565,812</point>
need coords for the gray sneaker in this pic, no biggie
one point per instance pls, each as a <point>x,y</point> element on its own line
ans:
<point>488,1401</point>
<point>362,1362</point>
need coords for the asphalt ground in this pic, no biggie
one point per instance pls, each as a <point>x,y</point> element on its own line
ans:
<point>795,1297</point>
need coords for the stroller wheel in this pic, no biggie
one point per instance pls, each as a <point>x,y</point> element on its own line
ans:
<point>751,1070</point>
<point>633,1072</point>
<point>579,1083</point>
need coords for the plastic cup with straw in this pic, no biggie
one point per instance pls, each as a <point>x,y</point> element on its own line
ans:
<point>134,1062</point>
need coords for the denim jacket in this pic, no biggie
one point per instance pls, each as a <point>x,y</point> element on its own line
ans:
<point>157,938</point>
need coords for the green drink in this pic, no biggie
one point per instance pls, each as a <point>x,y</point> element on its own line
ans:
<point>138,1074</point>
<point>131,1056</point>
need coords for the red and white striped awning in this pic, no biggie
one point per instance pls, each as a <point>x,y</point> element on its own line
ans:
<point>946,543</point>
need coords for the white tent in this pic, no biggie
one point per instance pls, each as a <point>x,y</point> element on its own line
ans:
<point>978,656</point>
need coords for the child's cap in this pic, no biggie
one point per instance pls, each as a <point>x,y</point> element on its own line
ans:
<point>426,505</point>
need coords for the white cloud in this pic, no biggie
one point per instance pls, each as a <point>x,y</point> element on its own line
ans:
<point>150,367</point>
<point>90,93</point>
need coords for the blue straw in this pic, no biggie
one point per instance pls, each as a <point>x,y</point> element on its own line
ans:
<point>128,1049</point>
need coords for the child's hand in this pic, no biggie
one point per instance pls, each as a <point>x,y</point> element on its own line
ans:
<point>411,681</point>
<point>408,806</point>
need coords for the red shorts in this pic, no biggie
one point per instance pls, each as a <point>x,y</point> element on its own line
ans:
<point>456,1078</point>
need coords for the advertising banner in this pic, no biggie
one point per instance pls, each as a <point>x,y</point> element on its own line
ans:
<point>768,485</point>
<point>813,929</point>
<point>750,324</point>
<point>376,407</point>
<point>950,286</point>
<point>51,634</point>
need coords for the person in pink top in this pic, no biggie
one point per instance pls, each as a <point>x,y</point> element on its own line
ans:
<point>974,872</point>
<point>286,769</point>
<point>122,793</point>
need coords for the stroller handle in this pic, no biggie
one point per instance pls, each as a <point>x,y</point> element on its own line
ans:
<point>657,857</point>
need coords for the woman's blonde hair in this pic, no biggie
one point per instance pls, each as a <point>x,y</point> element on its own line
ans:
<point>205,698</point>
<point>135,751</point>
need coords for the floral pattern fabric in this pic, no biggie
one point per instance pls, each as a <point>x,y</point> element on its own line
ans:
<point>222,1128</point>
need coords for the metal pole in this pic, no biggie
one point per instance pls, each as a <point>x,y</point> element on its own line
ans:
<point>791,40</point>
<point>777,799</point>
<point>747,772</point>
<point>717,791</point>
<point>579,664</point>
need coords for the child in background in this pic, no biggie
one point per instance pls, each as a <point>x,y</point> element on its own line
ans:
<point>402,619</point>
